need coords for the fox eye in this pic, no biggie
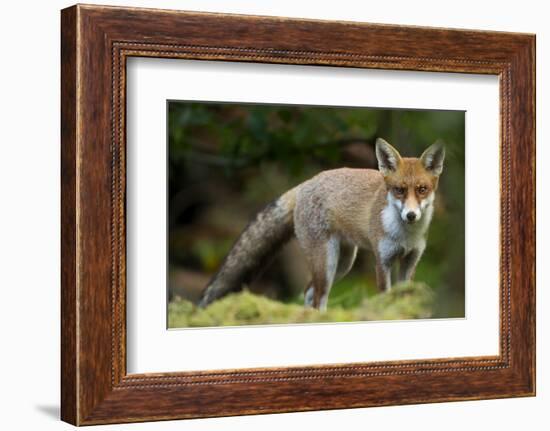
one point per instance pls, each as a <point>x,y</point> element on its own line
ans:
<point>422,189</point>
<point>399,191</point>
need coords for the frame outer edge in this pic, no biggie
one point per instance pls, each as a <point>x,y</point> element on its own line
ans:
<point>69,201</point>
<point>533,55</point>
<point>87,396</point>
<point>523,207</point>
<point>531,127</point>
<point>529,62</point>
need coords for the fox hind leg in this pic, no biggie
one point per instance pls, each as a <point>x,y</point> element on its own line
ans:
<point>345,263</point>
<point>323,263</point>
<point>308,296</point>
<point>347,259</point>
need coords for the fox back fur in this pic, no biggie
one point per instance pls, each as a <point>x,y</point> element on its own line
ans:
<point>336,212</point>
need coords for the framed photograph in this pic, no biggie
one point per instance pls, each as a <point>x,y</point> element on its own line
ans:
<point>323,214</point>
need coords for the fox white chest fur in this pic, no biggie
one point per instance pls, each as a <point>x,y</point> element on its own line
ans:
<point>338,211</point>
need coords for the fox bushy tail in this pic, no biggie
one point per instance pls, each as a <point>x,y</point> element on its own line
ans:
<point>272,227</point>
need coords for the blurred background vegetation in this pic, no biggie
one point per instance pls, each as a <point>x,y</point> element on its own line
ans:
<point>226,161</point>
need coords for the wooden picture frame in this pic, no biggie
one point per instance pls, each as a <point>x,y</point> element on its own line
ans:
<point>95,43</point>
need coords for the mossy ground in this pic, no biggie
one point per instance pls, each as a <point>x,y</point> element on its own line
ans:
<point>404,301</point>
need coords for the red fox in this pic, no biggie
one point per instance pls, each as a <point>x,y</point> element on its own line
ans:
<point>336,212</point>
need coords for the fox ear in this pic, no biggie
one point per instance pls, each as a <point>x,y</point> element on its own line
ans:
<point>388,157</point>
<point>433,158</point>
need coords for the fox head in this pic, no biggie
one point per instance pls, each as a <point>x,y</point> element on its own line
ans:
<point>411,181</point>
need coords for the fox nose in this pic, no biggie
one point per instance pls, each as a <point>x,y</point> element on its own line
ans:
<point>411,216</point>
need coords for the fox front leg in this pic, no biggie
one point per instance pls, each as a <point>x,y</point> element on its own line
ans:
<point>407,263</point>
<point>385,258</point>
<point>383,276</point>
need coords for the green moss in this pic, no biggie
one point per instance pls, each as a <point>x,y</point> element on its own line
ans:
<point>404,301</point>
